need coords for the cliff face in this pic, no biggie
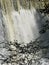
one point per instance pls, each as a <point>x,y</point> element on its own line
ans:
<point>1,29</point>
<point>27,4</point>
<point>38,4</point>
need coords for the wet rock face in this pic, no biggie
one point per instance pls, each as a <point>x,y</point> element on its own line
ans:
<point>1,28</point>
<point>4,53</point>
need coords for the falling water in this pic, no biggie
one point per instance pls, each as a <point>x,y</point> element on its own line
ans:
<point>25,26</point>
<point>20,25</point>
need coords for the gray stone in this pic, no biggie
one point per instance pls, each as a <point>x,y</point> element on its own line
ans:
<point>2,38</point>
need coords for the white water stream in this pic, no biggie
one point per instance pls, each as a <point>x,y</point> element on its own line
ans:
<point>23,26</point>
<point>20,25</point>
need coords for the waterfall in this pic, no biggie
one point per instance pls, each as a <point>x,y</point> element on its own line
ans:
<point>24,33</point>
<point>25,26</point>
<point>20,25</point>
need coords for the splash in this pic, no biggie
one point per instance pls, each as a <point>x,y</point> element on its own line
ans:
<point>20,25</point>
<point>25,26</point>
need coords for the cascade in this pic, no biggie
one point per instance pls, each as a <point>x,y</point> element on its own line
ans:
<point>20,25</point>
<point>24,33</point>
